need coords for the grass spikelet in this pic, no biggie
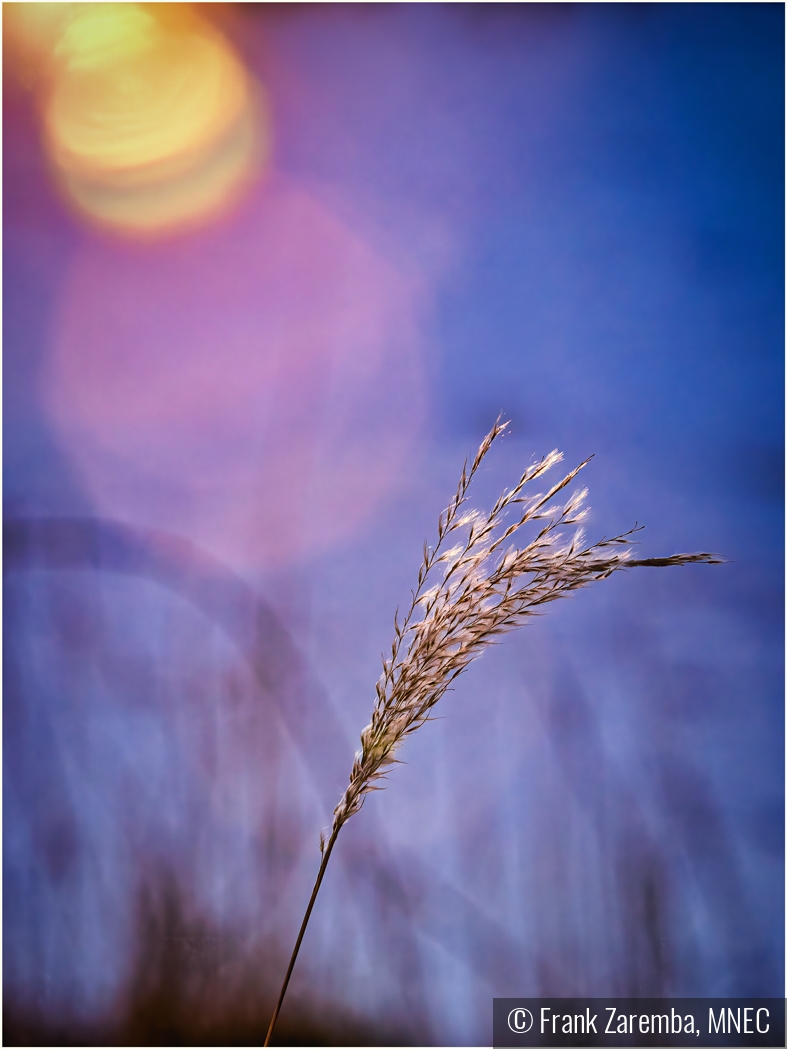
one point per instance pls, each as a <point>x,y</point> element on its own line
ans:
<point>474,585</point>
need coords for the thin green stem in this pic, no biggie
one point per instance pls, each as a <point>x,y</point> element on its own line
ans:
<point>325,857</point>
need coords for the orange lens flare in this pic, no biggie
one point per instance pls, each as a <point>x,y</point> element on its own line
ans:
<point>150,120</point>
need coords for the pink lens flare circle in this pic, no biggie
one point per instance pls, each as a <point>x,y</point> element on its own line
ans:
<point>256,388</point>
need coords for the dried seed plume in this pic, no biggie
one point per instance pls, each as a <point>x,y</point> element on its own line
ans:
<point>473,585</point>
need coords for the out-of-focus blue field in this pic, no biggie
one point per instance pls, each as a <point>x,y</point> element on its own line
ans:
<point>224,448</point>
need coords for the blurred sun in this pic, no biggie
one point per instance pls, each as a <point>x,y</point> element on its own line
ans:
<point>150,119</point>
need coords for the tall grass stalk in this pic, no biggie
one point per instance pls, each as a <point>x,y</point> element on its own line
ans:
<point>473,585</point>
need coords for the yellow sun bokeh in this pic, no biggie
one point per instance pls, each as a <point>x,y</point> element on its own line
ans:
<point>150,119</point>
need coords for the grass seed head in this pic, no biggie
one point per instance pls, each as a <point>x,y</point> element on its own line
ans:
<point>470,592</point>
